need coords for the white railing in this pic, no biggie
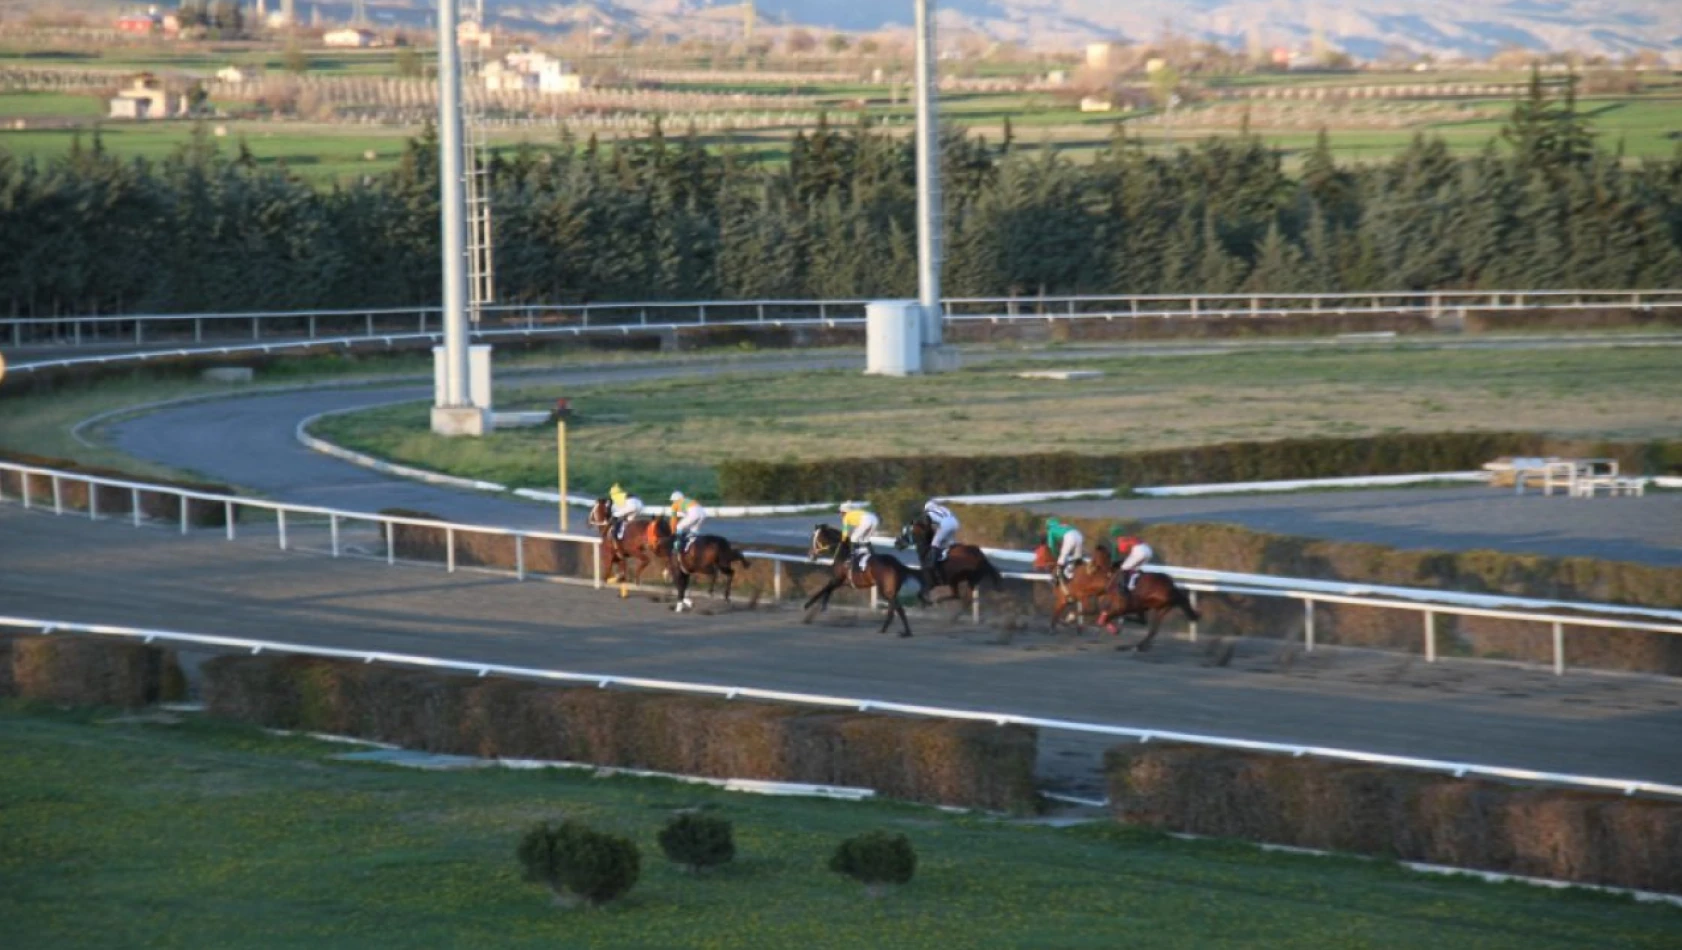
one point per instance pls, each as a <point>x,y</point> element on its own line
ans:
<point>344,327</point>
<point>1310,593</point>
<point>605,680</point>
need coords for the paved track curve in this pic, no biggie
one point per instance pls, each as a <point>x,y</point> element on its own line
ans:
<point>249,441</point>
<point>1596,724</point>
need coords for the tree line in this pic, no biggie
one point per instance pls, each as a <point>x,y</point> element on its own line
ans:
<point>1545,206</point>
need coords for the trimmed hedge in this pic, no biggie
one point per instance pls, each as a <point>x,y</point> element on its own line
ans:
<point>744,480</point>
<point>77,670</point>
<point>113,501</point>
<point>1589,838</point>
<point>947,762</point>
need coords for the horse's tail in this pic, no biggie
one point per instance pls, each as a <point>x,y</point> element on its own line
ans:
<point>988,569</point>
<point>736,556</point>
<point>1182,600</point>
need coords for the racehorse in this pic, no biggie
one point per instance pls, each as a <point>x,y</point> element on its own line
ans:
<point>887,574</point>
<point>632,541</point>
<point>707,554</point>
<point>1152,593</point>
<point>1075,594</point>
<point>963,564</point>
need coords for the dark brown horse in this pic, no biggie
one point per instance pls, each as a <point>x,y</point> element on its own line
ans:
<point>624,545</point>
<point>963,564</point>
<point>1152,594</point>
<point>886,574</point>
<point>1079,593</point>
<point>707,554</point>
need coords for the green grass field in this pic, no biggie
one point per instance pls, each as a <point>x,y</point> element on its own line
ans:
<point>199,834</point>
<point>668,434</point>
<point>23,105</point>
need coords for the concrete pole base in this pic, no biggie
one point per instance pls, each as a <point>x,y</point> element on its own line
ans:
<point>460,420</point>
<point>940,359</point>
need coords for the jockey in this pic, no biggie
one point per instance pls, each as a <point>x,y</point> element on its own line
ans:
<point>1134,555</point>
<point>689,516</point>
<point>625,507</point>
<point>945,531</point>
<point>857,525</point>
<point>1067,541</point>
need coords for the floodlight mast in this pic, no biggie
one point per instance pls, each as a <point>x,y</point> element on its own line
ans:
<point>454,393</point>
<point>928,179</point>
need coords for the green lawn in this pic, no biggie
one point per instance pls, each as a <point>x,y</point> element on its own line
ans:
<point>23,105</point>
<point>198,834</point>
<point>669,434</point>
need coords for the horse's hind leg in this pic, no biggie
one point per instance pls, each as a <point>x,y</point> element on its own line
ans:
<point>823,595</point>
<point>1156,621</point>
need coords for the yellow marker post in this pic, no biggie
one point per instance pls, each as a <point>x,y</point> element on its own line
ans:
<point>561,466</point>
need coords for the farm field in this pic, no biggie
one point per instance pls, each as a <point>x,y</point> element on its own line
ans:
<point>193,833</point>
<point>676,431</point>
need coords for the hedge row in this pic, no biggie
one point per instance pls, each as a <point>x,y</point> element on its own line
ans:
<point>1234,548</point>
<point>942,761</point>
<point>75,670</point>
<point>74,495</point>
<point>743,480</point>
<point>1589,838</point>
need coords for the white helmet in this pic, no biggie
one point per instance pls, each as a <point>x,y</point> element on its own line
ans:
<point>677,496</point>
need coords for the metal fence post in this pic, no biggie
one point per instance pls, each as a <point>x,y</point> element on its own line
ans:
<point>1192,596</point>
<point>312,326</point>
<point>975,605</point>
<point>23,482</point>
<point>139,334</point>
<point>333,531</point>
<point>596,564</point>
<point>280,519</point>
<point>450,549</point>
<point>256,329</point>
<point>1308,623</point>
<point>58,497</point>
<point>520,557</point>
<point>198,330</point>
<point>390,543</point>
<point>93,501</point>
<point>368,323</point>
<point>1559,648</point>
<point>134,505</point>
<point>186,507</point>
<point>228,517</point>
<point>776,581</point>
<point>1430,637</point>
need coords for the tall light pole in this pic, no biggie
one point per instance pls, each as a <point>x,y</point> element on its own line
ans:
<point>935,355</point>
<point>453,412</point>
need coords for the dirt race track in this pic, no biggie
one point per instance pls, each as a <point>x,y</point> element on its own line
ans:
<point>1588,723</point>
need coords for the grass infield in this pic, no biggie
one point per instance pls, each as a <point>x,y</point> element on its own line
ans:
<point>660,435</point>
<point>204,834</point>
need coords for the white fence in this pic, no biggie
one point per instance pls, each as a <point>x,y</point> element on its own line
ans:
<point>1429,604</point>
<point>239,331</point>
<point>604,681</point>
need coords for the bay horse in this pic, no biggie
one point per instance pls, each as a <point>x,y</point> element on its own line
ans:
<point>963,564</point>
<point>1076,594</point>
<point>632,542</point>
<point>708,554</point>
<point>886,574</point>
<point>1152,594</point>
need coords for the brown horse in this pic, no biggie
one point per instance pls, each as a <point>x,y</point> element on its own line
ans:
<point>707,554</point>
<point>622,546</point>
<point>963,564</point>
<point>886,574</point>
<point>1152,593</point>
<point>1079,593</point>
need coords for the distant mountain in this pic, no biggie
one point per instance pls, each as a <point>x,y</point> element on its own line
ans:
<point>1363,28</point>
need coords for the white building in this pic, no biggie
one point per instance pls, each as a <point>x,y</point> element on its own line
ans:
<point>146,98</point>
<point>1104,55</point>
<point>236,75</point>
<point>531,72</point>
<point>499,77</point>
<point>352,38</point>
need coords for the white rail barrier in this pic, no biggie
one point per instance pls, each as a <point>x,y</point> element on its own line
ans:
<point>1429,603</point>
<point>605,680</point>
<point>388,325</point>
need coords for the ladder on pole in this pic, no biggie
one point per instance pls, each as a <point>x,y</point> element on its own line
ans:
<point>481,264</point>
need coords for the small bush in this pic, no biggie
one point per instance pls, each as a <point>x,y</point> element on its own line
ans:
<point>578,863</point>
<point>698,841</point>
<point>875,859</point>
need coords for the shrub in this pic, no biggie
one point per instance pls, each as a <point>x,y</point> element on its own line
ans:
<point>875,859</point>
<point>578,863</point>
<point>698,841</point>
